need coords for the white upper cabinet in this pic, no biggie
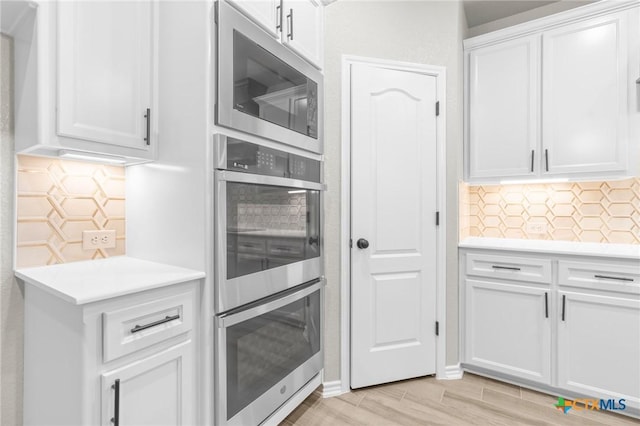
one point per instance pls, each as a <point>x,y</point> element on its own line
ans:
<point>105,71</point>
<point>556,97</point>
<point>504,99</point>
<point>296,23</point>
<point>302,28</point>
<point>266,13</point>
<point>85,79</point>
<point>585,89</point>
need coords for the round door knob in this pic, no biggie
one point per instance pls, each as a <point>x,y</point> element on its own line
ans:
<point>362,243</point>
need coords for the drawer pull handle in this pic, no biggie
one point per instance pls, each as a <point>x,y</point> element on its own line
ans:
<point>116,403</point>
<point>564,298</point>
<point>153,324</point>
<point>509,268</point>
<point>607,277</point>
<point>546,304</point>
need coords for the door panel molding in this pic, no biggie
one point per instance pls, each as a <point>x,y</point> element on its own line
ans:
<point>345,232</point>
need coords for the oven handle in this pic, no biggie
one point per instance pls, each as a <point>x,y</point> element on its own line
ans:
<point>229,176</point>
<point>225,321</point>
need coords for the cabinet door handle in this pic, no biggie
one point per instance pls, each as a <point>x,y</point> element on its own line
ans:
<point>116,403</point>
<point>290,24</point>
<point>564,298</point>
<point>509,268</point>
<point>533,155</point>
<point>279,17</point>
<point>608,277</point>
<point>138,328</point>
<point>148,117</point>
<point>546,159</point>
<point>546,304</point>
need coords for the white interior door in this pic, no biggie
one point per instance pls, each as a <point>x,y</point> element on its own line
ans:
<point>393,281</point>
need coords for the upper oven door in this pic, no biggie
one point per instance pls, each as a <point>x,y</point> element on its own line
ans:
<point>263,88</point>
<point>268,236</point>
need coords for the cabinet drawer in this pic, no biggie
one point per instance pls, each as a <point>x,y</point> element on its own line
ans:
<point>287,248</point>
<point>138,326</point>
<point>251,245</point>
<point>623,278</point>
<point>509,268</point>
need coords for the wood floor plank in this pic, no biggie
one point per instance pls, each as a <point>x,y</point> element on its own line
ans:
<point>403,412</point>
<point>487,412</point>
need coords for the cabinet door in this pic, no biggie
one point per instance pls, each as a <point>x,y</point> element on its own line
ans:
<point>508,329</point>
<point>265,13</point>
<point>303,22</point>
<point>599,346</point>
<point>503,109</point>
<point>585,86</point>
<point>104,71</point>
<point>158,390</point>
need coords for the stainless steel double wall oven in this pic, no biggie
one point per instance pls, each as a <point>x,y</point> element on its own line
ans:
<point>268,240</point>
<point>268,228</point>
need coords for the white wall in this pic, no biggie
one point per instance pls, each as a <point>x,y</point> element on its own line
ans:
<point>426,32</point>
<point>11,294</point>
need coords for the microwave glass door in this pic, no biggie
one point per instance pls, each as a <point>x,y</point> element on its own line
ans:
<point>270,226</point>
<point>263,350</point>
<point>269,89</point>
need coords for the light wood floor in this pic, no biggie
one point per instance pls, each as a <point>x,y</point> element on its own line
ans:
<point>474,400</point>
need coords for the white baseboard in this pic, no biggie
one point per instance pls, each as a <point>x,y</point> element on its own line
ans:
<point>333,388</point>
<point>452,372</point>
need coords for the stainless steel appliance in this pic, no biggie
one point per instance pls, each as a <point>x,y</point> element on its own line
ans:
<point>263,88</point>
<point>266,352</point>
<point>268,213</point>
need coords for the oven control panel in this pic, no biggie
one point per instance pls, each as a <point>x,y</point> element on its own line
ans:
<point>257,159</point>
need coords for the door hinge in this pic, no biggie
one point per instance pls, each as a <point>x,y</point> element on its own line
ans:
<point>437,108</point>
<point>437,328</point>
<point>350,243</point>
<point>215,12</point>
<point>437,218</point>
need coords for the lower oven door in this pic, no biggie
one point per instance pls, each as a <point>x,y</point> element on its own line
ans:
<point>266,353</point>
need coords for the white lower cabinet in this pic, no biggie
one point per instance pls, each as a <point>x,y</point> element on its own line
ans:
<point>127,360</point>
<point>574,331</point>
<point>509,329</point>
<point>151,391</point>
<point>599,345</point>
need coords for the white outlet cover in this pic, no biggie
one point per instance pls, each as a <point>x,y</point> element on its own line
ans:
<point>94,240</point>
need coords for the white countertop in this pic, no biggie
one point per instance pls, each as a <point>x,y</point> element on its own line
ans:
<point>618,251</point>
<point>94,280</point>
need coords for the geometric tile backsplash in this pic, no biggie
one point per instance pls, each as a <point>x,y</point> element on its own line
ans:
<point>57,200</point>
<point>605,212</point>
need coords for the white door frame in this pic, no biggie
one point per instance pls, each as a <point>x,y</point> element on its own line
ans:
<point>439,73</point>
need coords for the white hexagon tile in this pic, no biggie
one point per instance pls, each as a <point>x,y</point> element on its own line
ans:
<point>605,212</point>
<point>57,200</point>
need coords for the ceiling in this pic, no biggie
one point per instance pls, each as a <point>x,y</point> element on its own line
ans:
<point>480,12</point>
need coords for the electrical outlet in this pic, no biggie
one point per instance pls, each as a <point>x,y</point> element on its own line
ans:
<point>93,240</point>
<point>536,228</point>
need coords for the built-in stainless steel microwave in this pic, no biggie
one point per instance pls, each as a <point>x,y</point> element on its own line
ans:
<point>263,88</point>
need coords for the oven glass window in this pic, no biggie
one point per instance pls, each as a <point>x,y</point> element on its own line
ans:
<point>270,226</point>
<point>267,88</point>
<point>263,350</point>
